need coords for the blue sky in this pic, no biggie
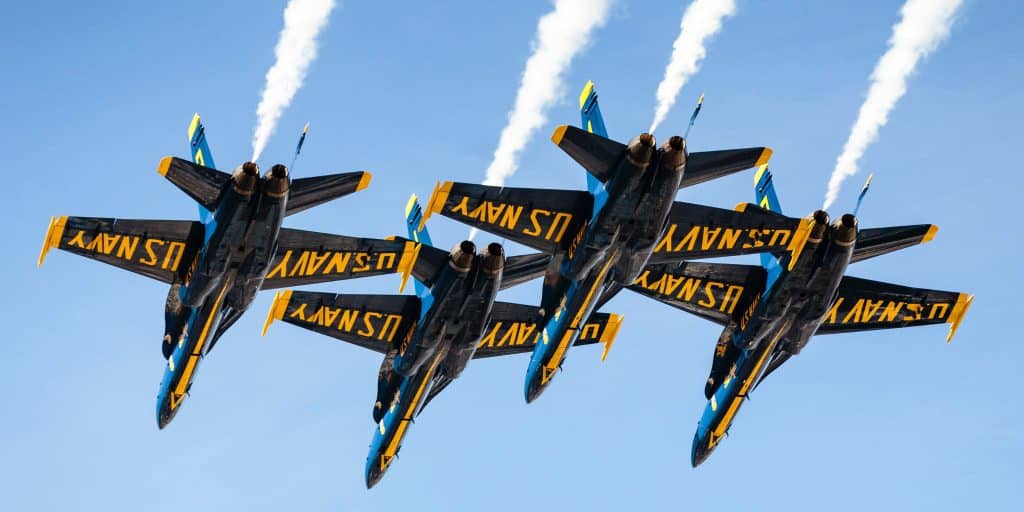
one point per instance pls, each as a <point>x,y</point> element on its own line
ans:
<point>95,95</point>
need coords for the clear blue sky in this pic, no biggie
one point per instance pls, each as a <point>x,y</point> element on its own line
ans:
<point>94,95</point>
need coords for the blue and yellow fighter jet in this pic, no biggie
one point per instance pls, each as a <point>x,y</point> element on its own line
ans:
<point>793,295</point>
<point>428,339</point>
<point>215,267</point>
<point>602,239</point>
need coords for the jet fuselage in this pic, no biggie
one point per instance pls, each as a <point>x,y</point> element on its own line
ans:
<point>238,246</point>
<point>776,325</point>
<point>629,218</point>
<point>453,318</point>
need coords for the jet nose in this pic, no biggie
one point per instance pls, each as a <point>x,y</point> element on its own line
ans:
<point>533,389</point>
<point>700,451</point>
<point>373,476</point>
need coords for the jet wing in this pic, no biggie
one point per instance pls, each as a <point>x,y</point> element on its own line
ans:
<point>308,257</point>
<point>515,328</point>
<point>153,248</point>
<point>695,231</point>
<point>873,242</point>
<point>305,193</point>
<point>704,166</point>
<point>719,292</point>
<point>863,305</point>
<point>546,220</point>
<point>375,322</point>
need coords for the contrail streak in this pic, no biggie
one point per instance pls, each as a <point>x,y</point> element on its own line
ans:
<point>295,50</point>
<point>923,25</point>
<point>701,20</point>
<point>561,34</point>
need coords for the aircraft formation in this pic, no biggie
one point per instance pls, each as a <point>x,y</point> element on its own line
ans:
<point>626,230</point>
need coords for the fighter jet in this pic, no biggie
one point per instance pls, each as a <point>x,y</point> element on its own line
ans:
<point>215,266</point>
<point>794,295</point>
<point>603,239</point>
<point>428,339</point>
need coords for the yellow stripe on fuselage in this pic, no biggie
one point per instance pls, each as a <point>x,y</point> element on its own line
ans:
<point>734,405</point>
<point>563,343</point>
<point>403,424</point>
<point>193,358</point>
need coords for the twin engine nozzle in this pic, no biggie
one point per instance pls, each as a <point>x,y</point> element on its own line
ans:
<point>247,175</point>
<point>844,230</point>
<point>461,258</point>
<point>641,148</point>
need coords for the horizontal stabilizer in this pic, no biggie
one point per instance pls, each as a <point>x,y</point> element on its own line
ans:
<point>863,305</point>
<point>515,329</point>
<point>873,242</point>
<point>719,292</point>
<point>376,322</point>
<point>704,166</point>
<point>203,184</point>
<point>546,220</point>
<point>524,267</point>
<point>597,154</point>
<point>308,257</point>
<point>305,193</point>
<point>696,231</point>
<point>518,269</point>
<point>160,249</point>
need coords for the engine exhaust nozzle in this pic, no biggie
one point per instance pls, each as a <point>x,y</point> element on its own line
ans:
<point>820,225</point>
<point>844,232</point>
<point>277,181</point>
<point>673,153</point>
<point>245,177</point>
<point>640,149</point>
<point>494,259</point>
<point>461,257</point>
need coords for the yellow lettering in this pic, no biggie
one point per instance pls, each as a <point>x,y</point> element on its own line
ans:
<point>281,268</point>
<point>151,258</point>
<point>78,240</point>
<point>300,312</point>
<point>338,263</point>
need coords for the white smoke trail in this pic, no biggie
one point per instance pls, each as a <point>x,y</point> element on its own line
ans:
<point>561,34</point>
<point>702,19</point>
<point>923,25</point>
<point>295,50</point>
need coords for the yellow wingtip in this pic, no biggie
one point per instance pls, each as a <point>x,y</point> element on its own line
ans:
<point>928,236</point>
<point>799,240</point>
<point>963,303</point>
<point>54,232</point>
<point>436,203</point>
<point>165,165</point>
<point>364,181</point>
<point>611,331</point>
<point>742,207</point>
<point>766,154</point>
<point>305,129</point>
<point>586,92</point>
<point>277,309</point>
<point>410,254</point>
<point>192,126</point>
<point>559,134</point>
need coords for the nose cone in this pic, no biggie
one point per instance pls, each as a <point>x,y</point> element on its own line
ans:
<point>534,387</point>
<point>700,451</point>
<point>373,475</point>
<point>164,414</point>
